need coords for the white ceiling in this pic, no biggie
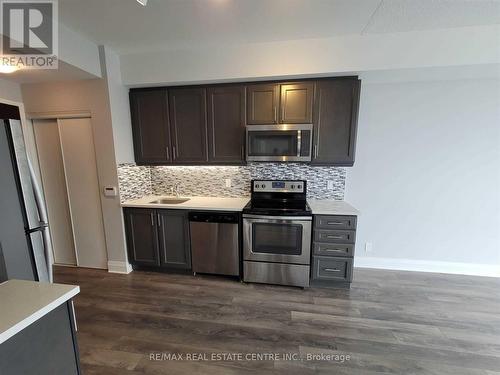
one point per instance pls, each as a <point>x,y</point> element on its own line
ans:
<point>128,27</point>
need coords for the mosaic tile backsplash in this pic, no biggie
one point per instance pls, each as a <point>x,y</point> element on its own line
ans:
<point>136,181</point>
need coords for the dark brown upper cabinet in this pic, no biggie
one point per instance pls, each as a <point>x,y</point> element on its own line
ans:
<point>296,103</point>
<point>262,104</point>
<point>200,125</point>
<point>226,124</point>
<point>290,103</point>
<point>335,121</point>
<point>150,128</point>
<point>188,122</point>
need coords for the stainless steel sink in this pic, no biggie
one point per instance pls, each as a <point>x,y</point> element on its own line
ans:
<point>170,200</point>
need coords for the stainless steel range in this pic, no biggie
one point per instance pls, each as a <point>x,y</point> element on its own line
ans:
<point>277,226</point>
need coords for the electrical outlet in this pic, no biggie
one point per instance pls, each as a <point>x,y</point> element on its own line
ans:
<point>228,182</point>
<point>329,185</point>
<point>368,247</point>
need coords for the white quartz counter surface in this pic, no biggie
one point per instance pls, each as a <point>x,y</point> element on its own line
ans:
<point>194,203</point>
<point>318,207</point>
<point>331,207</point>
<point>24,302</point>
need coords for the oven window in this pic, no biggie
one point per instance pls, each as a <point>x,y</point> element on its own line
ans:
<point>272,143</point>
<point>277,238</point>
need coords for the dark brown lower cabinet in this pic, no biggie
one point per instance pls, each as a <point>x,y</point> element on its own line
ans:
<point>158,238</point>
<point>175,251</point>
<point>333,250</point>
<point>47,346</point>
<point>142,236</point>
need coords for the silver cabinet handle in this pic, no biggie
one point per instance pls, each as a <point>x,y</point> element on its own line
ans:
<point>74,315</point>
<point>315,151</point>
<point>334,250</point>
<point>332,236</point>
<point>275,114</point>
<point>331,270</point>
<point>334,223</point>
<point>168,153</point>
<point>152,219</point>
<point>159,219</point>
<point>299,142</point>
<point>174,152</point>
<point>283,114</point>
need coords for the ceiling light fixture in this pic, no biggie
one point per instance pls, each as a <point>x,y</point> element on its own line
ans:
<point>143,2</point>
<point>8,68</point>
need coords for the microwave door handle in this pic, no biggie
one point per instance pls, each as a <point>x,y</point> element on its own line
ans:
<point>299,142</point>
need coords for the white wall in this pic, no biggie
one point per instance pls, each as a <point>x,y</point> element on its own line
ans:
<point>427,176</point>
<point>119,106</point>
<point>10,91</point>
<point>89,96</point>
<point>314,57</point>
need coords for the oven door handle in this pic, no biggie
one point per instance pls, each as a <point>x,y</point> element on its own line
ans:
<point>273,219</point>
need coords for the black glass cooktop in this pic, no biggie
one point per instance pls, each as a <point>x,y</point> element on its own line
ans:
<point>277,208</point>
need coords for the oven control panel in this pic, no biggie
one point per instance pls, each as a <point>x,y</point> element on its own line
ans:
<point>279,186</point>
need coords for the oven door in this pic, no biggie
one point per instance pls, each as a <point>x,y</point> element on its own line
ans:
<point>279,142</point>
<point>277,239</point>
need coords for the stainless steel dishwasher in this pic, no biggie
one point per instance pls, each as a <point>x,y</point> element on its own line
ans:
<point>215,242</point>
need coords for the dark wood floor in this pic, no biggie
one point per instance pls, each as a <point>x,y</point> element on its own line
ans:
<point>388,322</point>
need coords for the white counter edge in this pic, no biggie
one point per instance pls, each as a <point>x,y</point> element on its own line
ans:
<point>18,327</point>
<point>179,207</point>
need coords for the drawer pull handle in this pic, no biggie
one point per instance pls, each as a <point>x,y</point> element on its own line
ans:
<point>334,223</point>
<point>335,237</point>
<point>334,250</point>
<point>331,270</point>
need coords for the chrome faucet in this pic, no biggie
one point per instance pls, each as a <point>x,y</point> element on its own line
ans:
<point>175,190</point>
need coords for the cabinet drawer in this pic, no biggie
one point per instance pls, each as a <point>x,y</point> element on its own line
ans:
<point>335,222</point>
<point>334,236</point>
<point>333,250</point>
<point>333,269</point>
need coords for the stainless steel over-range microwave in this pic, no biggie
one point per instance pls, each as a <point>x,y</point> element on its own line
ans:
<point>282,142</point>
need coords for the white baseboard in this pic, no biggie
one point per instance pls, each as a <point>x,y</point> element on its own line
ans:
<point>119,267</point>
<point>473,269</point>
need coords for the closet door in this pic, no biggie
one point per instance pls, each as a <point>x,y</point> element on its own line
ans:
<point>48,145</point>
<point>83,190</point>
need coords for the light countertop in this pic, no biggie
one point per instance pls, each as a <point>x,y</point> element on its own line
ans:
<point>24,302</point>
<point>318,207</point>
<point>194,203</point>
<point>331,207</point>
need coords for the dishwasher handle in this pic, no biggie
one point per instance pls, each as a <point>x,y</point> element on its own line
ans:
<point>214,217</point>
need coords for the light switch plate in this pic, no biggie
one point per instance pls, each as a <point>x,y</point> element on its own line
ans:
<point>368,247</point>
<point>110,191</point>
<point>228,182</point>
<point>329,185</point>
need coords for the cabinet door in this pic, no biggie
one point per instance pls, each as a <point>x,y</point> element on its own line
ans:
<point>262,104</point>
<point>188,119</point>
<point>226,124</point>
<point>296,103</point>
<point>335,121</point>
<point>142,236</point>
<point>175,251</point>
<point>150,126</point>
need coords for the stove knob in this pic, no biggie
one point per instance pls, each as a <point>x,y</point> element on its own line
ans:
<point>299,186</point>
<point>293,186</point>
<point>263,186</point>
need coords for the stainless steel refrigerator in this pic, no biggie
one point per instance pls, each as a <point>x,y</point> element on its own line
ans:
<point>25,244</point>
